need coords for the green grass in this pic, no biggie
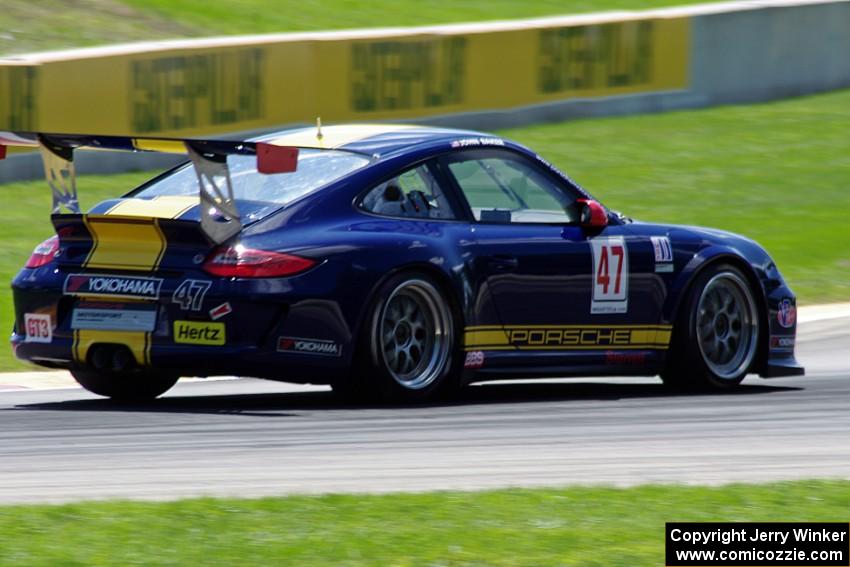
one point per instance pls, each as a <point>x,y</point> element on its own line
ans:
<point>38,25</point>
<point>577,526</point>
<point>778,173</point>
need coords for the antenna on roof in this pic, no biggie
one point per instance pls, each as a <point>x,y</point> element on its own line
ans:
<point>319,134</point>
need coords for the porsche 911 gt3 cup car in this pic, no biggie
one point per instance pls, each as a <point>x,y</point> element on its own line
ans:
<point>401,261</point>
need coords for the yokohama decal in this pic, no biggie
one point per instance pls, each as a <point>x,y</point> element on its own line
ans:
<point>610,275</point>
<point>114,286</point>
<point>297,345</point>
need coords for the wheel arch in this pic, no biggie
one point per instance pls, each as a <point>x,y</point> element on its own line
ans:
<point>452,290</point>
<point>710,258</point>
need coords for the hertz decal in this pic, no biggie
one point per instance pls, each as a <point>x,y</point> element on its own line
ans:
<point>567,337</point>
<point>199,333</point>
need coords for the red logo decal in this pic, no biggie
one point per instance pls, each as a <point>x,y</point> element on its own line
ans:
<point>220,311</point>
<point>75,283</point>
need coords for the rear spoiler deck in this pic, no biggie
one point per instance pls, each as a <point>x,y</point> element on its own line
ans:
<point>219,214</point>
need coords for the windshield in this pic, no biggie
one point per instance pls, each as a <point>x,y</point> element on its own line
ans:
<point>316,169</point>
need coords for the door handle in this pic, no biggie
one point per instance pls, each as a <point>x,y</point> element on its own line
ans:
<point>503,263</point>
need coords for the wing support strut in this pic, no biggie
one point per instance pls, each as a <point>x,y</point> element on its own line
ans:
<point>220,219</point>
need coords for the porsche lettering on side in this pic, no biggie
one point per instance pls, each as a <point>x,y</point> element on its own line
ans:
<point>396,261</point>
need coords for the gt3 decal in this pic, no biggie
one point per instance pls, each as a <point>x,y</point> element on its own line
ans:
<point>610,275</point>
<point>786,314</point>
<point>190,294</point>
<point>567,337</point>
<point>474,359</point>
<point>129,287</point>
<point>663,253</point>
<point>38,328</point>
<point>298,345</point>
<point>199,333</point>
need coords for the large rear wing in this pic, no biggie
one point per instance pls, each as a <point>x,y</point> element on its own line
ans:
<point>219,214</point>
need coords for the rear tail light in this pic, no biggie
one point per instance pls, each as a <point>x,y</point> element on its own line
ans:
<point>240,262</point>
<point>44,253</point>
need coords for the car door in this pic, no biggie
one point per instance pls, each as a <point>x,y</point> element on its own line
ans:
<point>557,286</point>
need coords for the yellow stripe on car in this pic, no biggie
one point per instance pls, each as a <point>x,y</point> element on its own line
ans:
<point>163,207</point>
<point>567,337</point>
<point>167,146</point>
<point>336,136</point>
<point>127,243</point>
<point>138,342</point>
<point>129,237</point>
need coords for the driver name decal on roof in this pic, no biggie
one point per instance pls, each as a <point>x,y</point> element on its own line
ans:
<point>473,142</point>
<point>610,275</point>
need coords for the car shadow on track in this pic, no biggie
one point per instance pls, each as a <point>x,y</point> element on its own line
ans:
<point>292,403</point>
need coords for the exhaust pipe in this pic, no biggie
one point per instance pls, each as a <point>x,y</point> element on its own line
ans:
<point>111,358</point>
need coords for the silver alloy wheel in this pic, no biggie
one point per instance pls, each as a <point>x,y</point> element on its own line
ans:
<point>727,325</point>
<point>414,334</point>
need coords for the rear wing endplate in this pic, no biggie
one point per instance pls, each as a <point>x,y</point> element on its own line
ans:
<point>220,218</point>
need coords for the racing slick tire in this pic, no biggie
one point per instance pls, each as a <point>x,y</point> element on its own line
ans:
<point>409,348</point>
<point>716,335</point>
<point>127,386</point>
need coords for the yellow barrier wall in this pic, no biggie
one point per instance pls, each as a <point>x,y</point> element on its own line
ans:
<point>340,77</point>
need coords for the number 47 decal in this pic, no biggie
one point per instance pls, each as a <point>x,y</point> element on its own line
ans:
<point>190,294</point>
<point>610,275</point>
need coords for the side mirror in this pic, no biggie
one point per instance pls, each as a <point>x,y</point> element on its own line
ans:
<point>592,214</point>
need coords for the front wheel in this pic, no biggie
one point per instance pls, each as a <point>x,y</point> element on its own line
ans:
<point>717,333</point>
<point>408,349</point>
<point>129,386</point>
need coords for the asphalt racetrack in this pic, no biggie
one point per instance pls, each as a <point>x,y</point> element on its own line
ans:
<point>252,438</point>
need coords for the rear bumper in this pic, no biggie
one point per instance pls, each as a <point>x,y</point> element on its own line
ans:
<point>201,361</point>
<point>289,329</point>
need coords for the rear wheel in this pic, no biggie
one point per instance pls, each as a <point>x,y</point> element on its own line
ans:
<point>408,348</point>
<point>128,386</point>
<point>717,333</point>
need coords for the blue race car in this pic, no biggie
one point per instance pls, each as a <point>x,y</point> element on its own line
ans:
<point>395,261</point>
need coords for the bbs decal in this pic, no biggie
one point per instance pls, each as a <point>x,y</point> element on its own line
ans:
<point>610,275</point>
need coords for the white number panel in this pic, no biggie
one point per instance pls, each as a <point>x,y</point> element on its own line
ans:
<point>38,328</point>
<point>610,275</point>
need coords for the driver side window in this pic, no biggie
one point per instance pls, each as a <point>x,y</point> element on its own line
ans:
<point>505,190</point>
<point>414,193</point>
